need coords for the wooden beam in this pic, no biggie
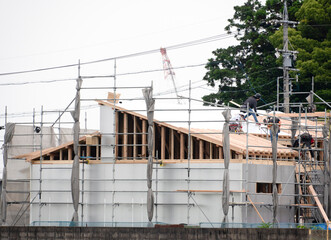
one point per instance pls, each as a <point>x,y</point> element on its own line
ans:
<point>125,136</point>
<point>61,154</point>
<point>210,151</point>
<point>255,208</point>
<point>139,128</point>
<point>182,146</point>
<point>70,153</point>
<point>112,97</point>
<point>144,139</point>
<point>191,150</point>
<point>172,144</point>
<point>201,149</point>
<point>163,143</point>
<point>135,152</point>
<point>220,150</point>
<point>320,207</point>
<point>154,139</point>
<point>116,133</point>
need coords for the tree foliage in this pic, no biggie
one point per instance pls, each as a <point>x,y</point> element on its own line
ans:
<point>251,66</point>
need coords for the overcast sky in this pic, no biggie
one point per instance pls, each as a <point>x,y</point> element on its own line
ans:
<point>38,34</point>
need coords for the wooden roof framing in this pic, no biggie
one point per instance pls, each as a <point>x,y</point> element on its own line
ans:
<point>237,141</point>
<point>49,153</point>
<point>171,142</point>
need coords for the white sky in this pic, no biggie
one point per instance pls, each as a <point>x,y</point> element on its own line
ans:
<point>42,33</point>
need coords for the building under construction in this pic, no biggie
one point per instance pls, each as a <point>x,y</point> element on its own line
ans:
<point>164,161</point>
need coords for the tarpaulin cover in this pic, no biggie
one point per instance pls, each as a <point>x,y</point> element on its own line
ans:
<point>26,136</point>
<point>9,133</point>
<point>75,166</point>
<point>226,154</point>
<point>150,102</point>
<point>274,132</point>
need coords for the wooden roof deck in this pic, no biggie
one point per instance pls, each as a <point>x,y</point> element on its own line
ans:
<point>238,142</point>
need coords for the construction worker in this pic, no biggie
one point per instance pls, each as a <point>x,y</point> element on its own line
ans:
<point>269,121</point>
<point>252,103</point>
<point>306,140</point>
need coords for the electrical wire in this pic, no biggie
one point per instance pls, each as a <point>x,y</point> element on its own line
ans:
<point>120,74</point>
<point>46,81</point>
<point>51,112</point>
<point>182,45</point>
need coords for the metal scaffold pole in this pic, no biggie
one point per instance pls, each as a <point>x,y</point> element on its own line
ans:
<point>114,149</point>
<point>41,161</point>
<point>189,156</point>
<point>246,168</point>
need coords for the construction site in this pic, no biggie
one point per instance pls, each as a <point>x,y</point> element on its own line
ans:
<point>166,160</point>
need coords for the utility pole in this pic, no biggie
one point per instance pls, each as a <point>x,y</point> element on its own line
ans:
<point>288,58</point>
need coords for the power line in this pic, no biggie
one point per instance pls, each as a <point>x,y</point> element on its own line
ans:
<point>181,88</point>
<point>181,45</point>
<point>120,74</point>
<point>46,81</point>
<point>51,112</point>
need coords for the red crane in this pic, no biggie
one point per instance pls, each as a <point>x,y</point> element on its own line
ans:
<point>168,70</point>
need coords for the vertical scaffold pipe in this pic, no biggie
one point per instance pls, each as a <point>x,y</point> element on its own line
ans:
<point>41,160</point>
<point>226,154</point>
<point>325,131</point>
<point>189,152</point>
<point>327,163</point>
<point>150,102</point>
<point>115,149</point>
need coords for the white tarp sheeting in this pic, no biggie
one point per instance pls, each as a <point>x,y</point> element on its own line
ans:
<point>75,166</point>
<point>148,95</point>
<point>226,154</point>
<point>10,128</point>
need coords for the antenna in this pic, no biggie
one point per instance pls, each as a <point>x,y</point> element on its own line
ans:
<point>168,70</point>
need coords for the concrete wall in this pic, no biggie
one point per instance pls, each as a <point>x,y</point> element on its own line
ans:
<point>69,233</point>
<point>263,174</point>
<point>130,196</point>
<point>107,130</point>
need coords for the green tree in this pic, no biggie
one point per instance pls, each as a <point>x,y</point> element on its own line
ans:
<point>312,40</point>
<point>249,67</point>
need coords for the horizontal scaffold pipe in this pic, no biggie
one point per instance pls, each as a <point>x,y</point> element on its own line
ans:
<point>137,191</point>
<point>142,180</point>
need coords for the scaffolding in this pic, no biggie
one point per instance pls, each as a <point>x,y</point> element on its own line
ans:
<point>185,145</point>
